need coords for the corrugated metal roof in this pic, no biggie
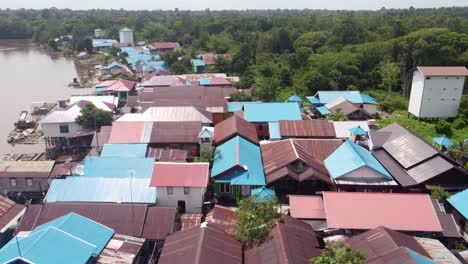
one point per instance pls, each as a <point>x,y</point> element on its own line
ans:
<point>295,98</point>
<point>39,169</point>
<point>326,97</point>
<point>397,172</point>
<point>239,162</point>
<point>459,202</point>
<point>443,70</point>
<point>102,137</point>
<point>291,241</point>
<point>437,251</point>
<point>402,212</point>
<point>98,189</point>
<point>175,132</point>
<point>342,104</point>
<point>263,194</point>
<point>165,45</point>
<point>271,112</point>
<point>224,217</point>
<point>357,131</point>
<point>170,114</point>
<point>168,155</point>
<point>197,62</point>
<point>121,249</point>
<point>313,100</point>
<point>307,129</point>
<point>342,127</point>
<point>201,245</point>
<point>350,157</point>
<point>9,210</point>
<point>130,132</point>
<point>237,106</point>
<point>180,174</point>
<point>118,167</point>
<point>235,126</point>
<point>124,150</point>
<point>274,130</point>
<point>447,221</point>
<point>306,207</point>
<point>163,80</point>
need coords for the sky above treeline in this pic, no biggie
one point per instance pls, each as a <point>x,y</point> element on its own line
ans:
<point>222,4</point>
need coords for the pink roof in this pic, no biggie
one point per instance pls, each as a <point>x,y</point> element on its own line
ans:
<point>121,86</point>
<point>165,45</point>
<point>307,207</point>
<point>443,70</point>
<point>180,174</point>
<point>219,81</point>
<point>127,133</point>
<point>397,211</point>
<point>163,80</point>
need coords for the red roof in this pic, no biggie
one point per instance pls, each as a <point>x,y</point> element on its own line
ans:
<point>397,211</point>
<point>307,128</point>
<point>219,81</point>
<point>9,210</point>
<point>443,70</point>
<point>224,217</point>
<point>127,132</point>
<point>307,207</point>
<point>121,86</point>
<point>165,45</point>
<point>180,174</point>
<point>232,127</point>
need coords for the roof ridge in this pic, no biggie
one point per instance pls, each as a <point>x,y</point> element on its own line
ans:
<point>281,244</point>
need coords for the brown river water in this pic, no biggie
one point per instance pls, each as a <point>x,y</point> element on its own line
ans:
<point>31,74</point>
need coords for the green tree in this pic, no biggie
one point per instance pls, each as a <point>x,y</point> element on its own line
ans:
<point>240,96</point>
<point>92,118</point>
<point>339,253</point>
<point>265,89</point>
<point>459,152</point>
<point>255,220</point>
<point>389,72</point>
<point>443,127</point>
<point>440,194</point>
<point>312,40</point>
<point>337,116</point>
<point>52,44</point>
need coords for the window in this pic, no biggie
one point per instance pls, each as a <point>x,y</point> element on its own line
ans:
<point>170,190</point>
<point>225,187</point>
<point>12,182</point>
<point>428,78</point>
<point>29,182</point>
<point>64,128</point>
<point>186,190</point>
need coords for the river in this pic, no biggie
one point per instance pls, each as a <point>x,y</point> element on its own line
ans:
<point>31,74</point>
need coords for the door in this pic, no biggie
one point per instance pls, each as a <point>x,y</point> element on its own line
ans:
<point>181,207</point>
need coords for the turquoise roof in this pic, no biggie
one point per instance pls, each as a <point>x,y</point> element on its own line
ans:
<point>350,157</point>
<point>240,154</point>
<point>418,258</point>
<point>323,110</point>
<point>237,106</point>
<point>459,201</point>
<point>272,112</point>
<point>197,62</point>
<point>443,141</point>
<point>205,80</point>
<point>119,167</point>
<point>357,131</point>
<point>367,99</point>
<point>124,150</point>
<point>326,97</point>
<point>263,194</point>
<point>101,190</point>
<point>152,66</point>
<point>141,43</point>
<point>69,239</point>
<point>313,100</point>
<point>295,98</point>
<point>274,130</point>
<point>103,43</point>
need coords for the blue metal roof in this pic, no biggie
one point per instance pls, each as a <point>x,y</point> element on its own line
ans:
<point>124,150</point>
<point>244,156</point>
<point>118,167</point>
<point>205,80</point>
<point>350,157</point>
<point>326,97</point>
<point>357,131</point>
<point>274,130</point>
<point>460,202</point>
<point>263,194</point>
<point>114,64</point>
<point>69,239</point>
<point>272,112</point>
<point>443,141</point>
<point>99,189</point>
<point>237,106</point>
<point>418,258</point>
<point>295,98</point>
<point>367,99</point>
<point>323,110</point>
<point>313,100</point>
<point>197,62</point>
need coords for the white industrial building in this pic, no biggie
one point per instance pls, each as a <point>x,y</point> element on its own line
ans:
<point>99,33</point>
<point>126,35</point>
<point>437,91</point>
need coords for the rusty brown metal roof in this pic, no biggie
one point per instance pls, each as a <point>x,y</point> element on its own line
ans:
<point>175,132</point>
<point>26,169</point>
<point>102,137</point>
<point>291,241</point>
<point>279,154</point>
<point>224,217</point>
<point>167,155</point>
<point>443,70</point>
<point>188,221</point>
<point>121,250</point>
<point>307,129</point>
<point>380,241</point>
<point>449,226</point>
<point>8,211</point>
<point>139,220</point>
<point>64,169</point>
<point>233,126</point>
<point>201,245</point>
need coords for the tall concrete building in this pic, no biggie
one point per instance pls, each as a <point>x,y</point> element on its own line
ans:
<point>126,35</point>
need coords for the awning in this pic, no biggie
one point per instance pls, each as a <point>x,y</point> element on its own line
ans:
<point>443,141</point>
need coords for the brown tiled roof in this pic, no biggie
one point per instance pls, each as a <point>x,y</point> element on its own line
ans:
<point>443,70</point>
<point>175,132</point>
<point>8,211</point>
<point>380,241</point>
<point>278,155</point>
<point>139,220</point>
<point>172,155</point>
<point>307,129</point>
<point>232,127</point>
<point>291,241</point>
<point>201,245</point>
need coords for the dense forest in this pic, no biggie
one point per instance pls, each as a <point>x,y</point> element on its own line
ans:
<point>278,51</point>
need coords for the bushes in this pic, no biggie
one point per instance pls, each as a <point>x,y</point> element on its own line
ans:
<point>459,123</point>
<point>389,101</point>
<point>443,127</point>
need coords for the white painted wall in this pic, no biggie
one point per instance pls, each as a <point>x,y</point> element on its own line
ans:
<point>193,200</point>
<point>436,96</point>
<point>53,129</point>
<point>126,36</point>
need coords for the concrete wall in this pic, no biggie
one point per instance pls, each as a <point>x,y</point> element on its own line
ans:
<point>39,184</point>
<point>193,200</point>
<point>126,36</point>
<point>416,93</point>
<point>53,129</point>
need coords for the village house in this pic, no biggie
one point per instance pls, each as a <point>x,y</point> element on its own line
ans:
<point>167,154</point>
<point>198,65</point>
<point>181,185</point>
<point>163,47</point>
<point>237,168</point>
<point>459,208</point>
<point>102,44</point>
<point>232,127</point>
<point>313,129</point>
<point>295,166</point>
<point>326,102</point>
<point>437,91</point>
<point>343,128</point>
<point>120,88</point>
<point>10,215</point>
<point>163,81</point>
<point>413,163</point>
<point>28,178</point>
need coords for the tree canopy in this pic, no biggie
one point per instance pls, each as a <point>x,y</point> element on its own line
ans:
<point>93,118</point>
<point>339,253</point>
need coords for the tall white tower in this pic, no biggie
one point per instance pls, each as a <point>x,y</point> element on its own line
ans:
<point>126,35</point>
